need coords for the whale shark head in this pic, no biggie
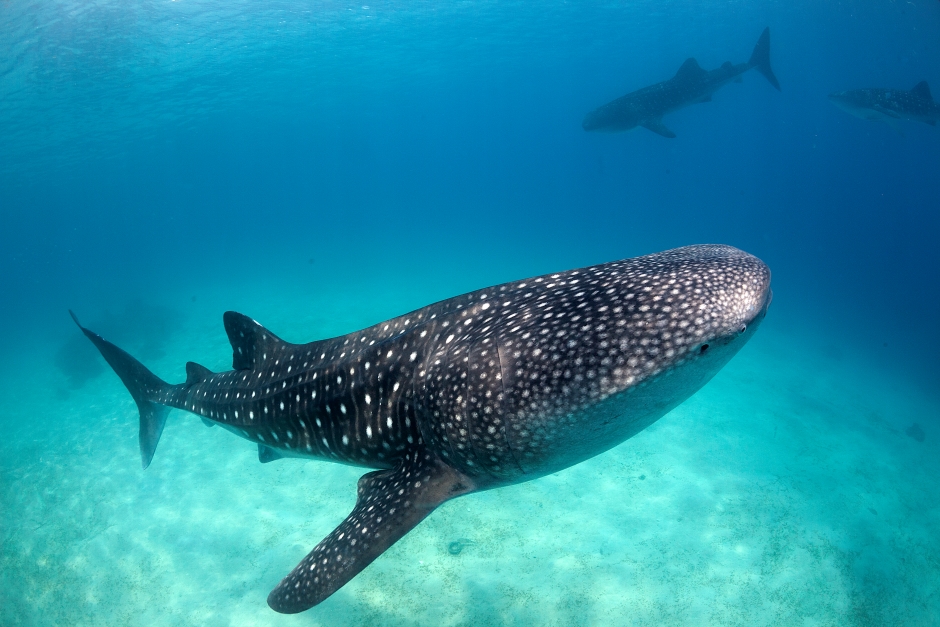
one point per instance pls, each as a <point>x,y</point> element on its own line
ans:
<point>613,117</point>
<point>633,339</point>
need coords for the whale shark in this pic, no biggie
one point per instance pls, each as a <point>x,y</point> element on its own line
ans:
<point>495,387</point>
<point>890,105</point>
<point>646,107</point>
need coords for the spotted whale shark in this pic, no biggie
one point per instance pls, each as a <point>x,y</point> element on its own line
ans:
<point>890,105</point>
<point>646,107</point>
<point>492,388</point>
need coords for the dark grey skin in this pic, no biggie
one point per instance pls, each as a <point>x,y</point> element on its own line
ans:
<point>691,84</point>
<point>492,388</point>
<point>890,105</point>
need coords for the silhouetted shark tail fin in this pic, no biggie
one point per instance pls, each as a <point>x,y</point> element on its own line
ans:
<point>760,58</point>
<point>149,390</point>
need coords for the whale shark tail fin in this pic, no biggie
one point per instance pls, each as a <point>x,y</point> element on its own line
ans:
<point>760,58</point>
<point>149,391</point>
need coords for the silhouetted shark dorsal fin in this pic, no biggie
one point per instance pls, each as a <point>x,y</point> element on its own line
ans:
<point>251,343</point>
<point>690,69</point>
<point>658,127</point>
<point>922,90</point>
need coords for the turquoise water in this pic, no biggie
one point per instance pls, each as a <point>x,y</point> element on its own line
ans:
<point>325,166</point>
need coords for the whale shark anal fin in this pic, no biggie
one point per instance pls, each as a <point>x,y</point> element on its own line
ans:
<point>390,503</point>
<point>267,454</point>
<point>659,128</point>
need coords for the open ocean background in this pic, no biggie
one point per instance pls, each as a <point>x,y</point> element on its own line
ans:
<point>322,166</point>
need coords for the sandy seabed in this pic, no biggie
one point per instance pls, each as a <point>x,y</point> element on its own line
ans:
<point>786,492</point>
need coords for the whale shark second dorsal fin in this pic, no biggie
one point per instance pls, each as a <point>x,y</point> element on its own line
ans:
<point>251,343</point>
<point>922,90</point>
<point>690,69</point>
<point>196,373</point>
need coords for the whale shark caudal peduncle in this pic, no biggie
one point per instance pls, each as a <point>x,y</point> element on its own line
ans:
<point>488,389</point>
<point>691,84</point>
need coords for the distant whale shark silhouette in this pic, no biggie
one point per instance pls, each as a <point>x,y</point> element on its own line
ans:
<point>691,84</point>
<point>492,388</point>
<point>890,105</point>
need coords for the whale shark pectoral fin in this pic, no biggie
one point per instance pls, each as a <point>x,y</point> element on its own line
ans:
<point>707,98</point>
<point>390,504</point>
<point>267,454</point>
<point>891,121</point>
<point>887,112</point>
<point>658,127</point>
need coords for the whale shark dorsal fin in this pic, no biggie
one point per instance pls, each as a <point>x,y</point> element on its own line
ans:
<point>690,69</point>
<point>390,503</point>
<point>659,128</point>
<point>922,90</point>
<point>251,342</point>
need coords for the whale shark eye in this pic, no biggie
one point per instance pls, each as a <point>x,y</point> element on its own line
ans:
<point>703,348</point>
<point>743,328</point>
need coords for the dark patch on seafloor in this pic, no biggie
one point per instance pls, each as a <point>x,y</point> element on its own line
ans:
<point>915,432</point>
<point>455,547</point>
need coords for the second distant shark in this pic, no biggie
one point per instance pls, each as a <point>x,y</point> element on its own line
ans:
<point>691,84</point>
<point>890,105</point>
